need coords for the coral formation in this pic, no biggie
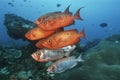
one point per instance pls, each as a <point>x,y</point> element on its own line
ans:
<point>10,54</point>
<point>24,75</point>
<point>4,71</point>
<point>17,26</point>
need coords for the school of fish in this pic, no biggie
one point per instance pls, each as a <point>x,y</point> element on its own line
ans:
<point>55,43</point>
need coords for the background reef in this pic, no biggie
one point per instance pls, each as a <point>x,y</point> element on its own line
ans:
<point>102,62</point>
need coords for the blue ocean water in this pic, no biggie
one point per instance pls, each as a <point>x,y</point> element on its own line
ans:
<point>94,13</point>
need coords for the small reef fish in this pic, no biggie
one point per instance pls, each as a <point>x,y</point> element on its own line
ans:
<point>58,5</point>
<point>103,25</point>
<point>61,39</point>
<point>45,55</point>
<point>38,33</point>
<point>11,4</point>
<point>55,20</point>
<point>64,64</point>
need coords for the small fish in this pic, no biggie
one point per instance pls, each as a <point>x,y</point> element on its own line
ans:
<point>55,20</point>
<point>103,25</point>
<point>61,39</point>
<point>45,55</point>
<point>58,5</point>
<point>64,64</point>
<point>38,33</point>
<point>11,4</point>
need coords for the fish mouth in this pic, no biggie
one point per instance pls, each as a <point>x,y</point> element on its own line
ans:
<point>40,58</point>
<point>28,36</point>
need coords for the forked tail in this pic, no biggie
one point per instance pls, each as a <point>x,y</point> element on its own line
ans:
<point>82,33</point>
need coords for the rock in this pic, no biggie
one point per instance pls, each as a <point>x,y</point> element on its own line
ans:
<point>115,37</point>
<point>17,26</point>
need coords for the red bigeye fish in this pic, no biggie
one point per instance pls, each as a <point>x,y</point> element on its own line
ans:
<point>55,20</point>
<point>45,55</point>
<point>38,33</point>
<point>61,39</point>
<point>64,64</point>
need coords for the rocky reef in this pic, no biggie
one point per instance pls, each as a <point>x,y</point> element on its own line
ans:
<point>101,62</point>
<point>17,26</point>
<point>17,64</point>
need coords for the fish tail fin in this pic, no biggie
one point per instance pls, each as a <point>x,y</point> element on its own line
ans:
<point>76,15</point>
<point>67,10</point>
<point>82,33</point>
<point>79,59</point>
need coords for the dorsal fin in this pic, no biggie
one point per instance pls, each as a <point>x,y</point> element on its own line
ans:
<point>76,15</point>
<point>67,10</point>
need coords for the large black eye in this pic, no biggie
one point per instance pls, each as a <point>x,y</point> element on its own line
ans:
<point>49,41</point>
<point>39,53</point>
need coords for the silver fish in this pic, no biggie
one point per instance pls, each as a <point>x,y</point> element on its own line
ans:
<point>45,55</point>
<point>64,64</point>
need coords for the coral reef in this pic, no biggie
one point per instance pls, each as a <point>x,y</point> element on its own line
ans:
<point>10,54</point>
<point>4,71</point>
<point>102,62</point>
<point>24,75</point>
<point>17,64</point>
<point>17,26</point>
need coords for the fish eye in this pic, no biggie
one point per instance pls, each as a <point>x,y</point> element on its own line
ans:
<point>49,41</point>
<point>53,68</point>
<point>38,53</point>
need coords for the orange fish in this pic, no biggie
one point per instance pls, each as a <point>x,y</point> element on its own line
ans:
<point>55,20</point>
<point>40,43</point>
<point>61,39</point>
<point>38,33</point>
